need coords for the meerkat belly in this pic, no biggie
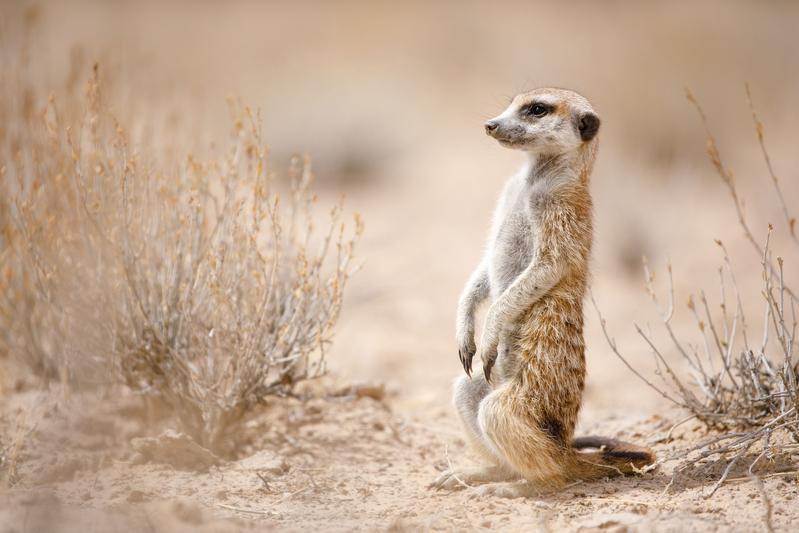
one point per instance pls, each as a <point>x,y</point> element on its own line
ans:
<point>512,251</point>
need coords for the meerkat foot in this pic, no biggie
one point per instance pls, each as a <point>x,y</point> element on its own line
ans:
<point>508,490</point>
<point>454,479</point>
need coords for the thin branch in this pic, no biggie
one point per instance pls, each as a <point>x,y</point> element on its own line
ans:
<point>789,219</point>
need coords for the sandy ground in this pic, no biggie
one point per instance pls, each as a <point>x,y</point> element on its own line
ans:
<point>339,460</point>
<point>391,108</point>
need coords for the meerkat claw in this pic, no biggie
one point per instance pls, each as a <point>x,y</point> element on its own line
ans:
<point>466,360</point>
<point>488,364</point>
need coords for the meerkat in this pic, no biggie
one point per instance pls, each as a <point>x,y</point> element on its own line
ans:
<point>521,412</point>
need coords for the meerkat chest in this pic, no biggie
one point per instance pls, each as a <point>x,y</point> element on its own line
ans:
<point>513,239</point>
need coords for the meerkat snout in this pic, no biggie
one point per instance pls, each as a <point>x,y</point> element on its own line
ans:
<point>491,125</point>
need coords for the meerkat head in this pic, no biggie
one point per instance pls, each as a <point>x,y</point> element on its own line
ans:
<point>545,121</point>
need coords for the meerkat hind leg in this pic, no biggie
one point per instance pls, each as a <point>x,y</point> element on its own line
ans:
<point>467,395</point>
<point>455,479</point>
<point>508,490</point>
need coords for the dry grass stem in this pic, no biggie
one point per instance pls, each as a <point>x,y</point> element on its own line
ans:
<point>768,514</point>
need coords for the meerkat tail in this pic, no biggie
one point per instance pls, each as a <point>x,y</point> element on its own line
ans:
<point>612,458</point>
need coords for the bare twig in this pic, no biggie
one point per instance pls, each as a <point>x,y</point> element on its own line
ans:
<point>613,347</point>
<point>767,515</point>
<point>789,219</point>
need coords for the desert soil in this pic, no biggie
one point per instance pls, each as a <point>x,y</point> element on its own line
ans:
<point>335,458</point>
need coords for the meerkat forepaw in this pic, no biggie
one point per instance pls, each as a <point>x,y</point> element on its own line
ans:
<point>466,361</point>
<point>488,354</point>
<point>488,364</point>
<point>466,351</point>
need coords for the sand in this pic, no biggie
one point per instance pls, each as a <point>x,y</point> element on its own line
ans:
<point>334,460</point>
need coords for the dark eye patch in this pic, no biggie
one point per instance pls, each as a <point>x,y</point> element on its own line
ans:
<point>536,109</point>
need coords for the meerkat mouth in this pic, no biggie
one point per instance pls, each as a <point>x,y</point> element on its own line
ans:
<point>509,142</point>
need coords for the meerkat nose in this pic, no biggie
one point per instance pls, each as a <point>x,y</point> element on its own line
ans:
<point>491,125</point>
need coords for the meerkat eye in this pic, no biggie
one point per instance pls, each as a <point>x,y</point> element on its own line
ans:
<point>537,110</point>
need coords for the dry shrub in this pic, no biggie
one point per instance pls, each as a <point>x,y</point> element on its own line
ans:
<point>202,283</point>
<point>743,387</point>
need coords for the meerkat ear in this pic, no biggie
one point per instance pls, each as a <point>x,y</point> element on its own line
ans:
<point>588,125</point>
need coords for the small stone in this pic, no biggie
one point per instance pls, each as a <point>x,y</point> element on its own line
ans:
<point>176,449</point>
<point>137,496</point>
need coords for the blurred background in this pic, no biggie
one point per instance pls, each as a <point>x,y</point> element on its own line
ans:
<point>389,101</point>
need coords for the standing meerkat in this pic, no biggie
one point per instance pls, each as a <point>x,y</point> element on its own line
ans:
<point>520,414</point>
